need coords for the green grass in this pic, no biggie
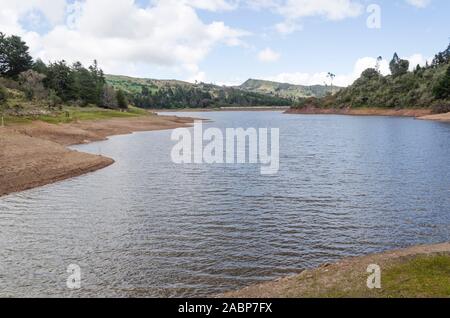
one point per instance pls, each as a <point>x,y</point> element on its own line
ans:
<point>418,277</point>
<point>76,113</point>
<point>17,103</point>
<point>421,277</point>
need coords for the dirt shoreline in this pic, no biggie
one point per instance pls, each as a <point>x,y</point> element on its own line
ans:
<point>339,276</point>
<point>35,154</point>
<point>438,117</point>
<point>418,113</point>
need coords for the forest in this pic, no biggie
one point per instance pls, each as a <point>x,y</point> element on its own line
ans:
<point>425,86</point>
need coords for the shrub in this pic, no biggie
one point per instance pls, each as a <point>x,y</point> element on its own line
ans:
<point>3,95</point>
<point>441,108</point>
<point>442,89</point>
<point>122,100</point>
<point>54,100</point>
<point>32,84</point>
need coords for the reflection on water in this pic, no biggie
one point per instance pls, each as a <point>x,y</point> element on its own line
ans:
<point>146,227</point>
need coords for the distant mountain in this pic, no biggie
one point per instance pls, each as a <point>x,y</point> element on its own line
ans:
<point>285,90</point>
<point>151,93</point>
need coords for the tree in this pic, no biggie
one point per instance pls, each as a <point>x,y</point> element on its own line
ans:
<point>3,95</point>
<point>442,89</point>
<point>398,66</point>
<point>331,76</point>
<point>442,57</point>
<point>378,65</point>
<point>61,80</point>
<point>99,79</point>
<point>122,100</point>
<point>84,85</point>
<point>14,56</point>
<point>40,67</point>
<point>370,73</point>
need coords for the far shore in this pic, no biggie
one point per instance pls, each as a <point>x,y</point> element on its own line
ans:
<point>418,113</point>
<point>437,117</point>
<point>419,271</point>
<point>35,154</point>
<point>223,109</point>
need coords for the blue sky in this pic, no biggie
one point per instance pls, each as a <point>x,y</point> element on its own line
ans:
<point>229,41</point>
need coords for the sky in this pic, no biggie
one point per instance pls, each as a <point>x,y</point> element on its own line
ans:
<point>227,42</point>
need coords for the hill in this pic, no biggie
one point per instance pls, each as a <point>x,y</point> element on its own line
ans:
<point>424,87</point>
<point>151,93</point>
<point>134,85</point>
<point>287,90</point>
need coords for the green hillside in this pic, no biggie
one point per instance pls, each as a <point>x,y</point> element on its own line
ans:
<point>287,90</point>
<point>151,93</point>
<point>424,87</point>
<point>134,85</point>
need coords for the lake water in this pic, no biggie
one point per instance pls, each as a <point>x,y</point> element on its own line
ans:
<point>146,227</point>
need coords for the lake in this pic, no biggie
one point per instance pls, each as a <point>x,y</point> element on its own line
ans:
<point>145,227</point>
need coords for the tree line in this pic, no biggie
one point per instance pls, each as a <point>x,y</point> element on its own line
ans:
<point>57,82</point>
<point>202,96</point>
<point>62,83</point>
<point>425,86</point>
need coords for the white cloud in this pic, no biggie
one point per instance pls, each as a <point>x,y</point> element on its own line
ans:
<point>419,3</point>
<point>198,77</point>
<point>122,35</point>
<point>213,5</point>
<point>268,55</point>
<point>321,78</point>
<point>287,27</point>
<point>12,11</point>
<point>53,10</point>
<point>343,80</point>
<point>294,10</point>
<point>330,9</point>
<point>417,59</point>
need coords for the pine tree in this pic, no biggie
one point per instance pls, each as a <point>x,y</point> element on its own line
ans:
<point>14,56</point>
<point>122,100</point>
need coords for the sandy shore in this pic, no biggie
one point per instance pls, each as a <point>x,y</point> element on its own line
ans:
<point>35,154</point>
<point>339,277</point>
<point>363,112</point>
<point>437,117</point>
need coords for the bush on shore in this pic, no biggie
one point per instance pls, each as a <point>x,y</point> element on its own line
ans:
<point>3,95</point>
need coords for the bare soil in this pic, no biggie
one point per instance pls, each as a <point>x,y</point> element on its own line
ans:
<point>35,154</point>
<point>438,117</point>
<point>363,111</point>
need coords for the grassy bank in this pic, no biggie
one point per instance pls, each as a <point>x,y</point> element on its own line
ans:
<point>420,276</point>
<point>71,114</point>
<point>417,272</point>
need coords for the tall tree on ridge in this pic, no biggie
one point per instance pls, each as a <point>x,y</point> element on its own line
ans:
<point>398,66</point>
